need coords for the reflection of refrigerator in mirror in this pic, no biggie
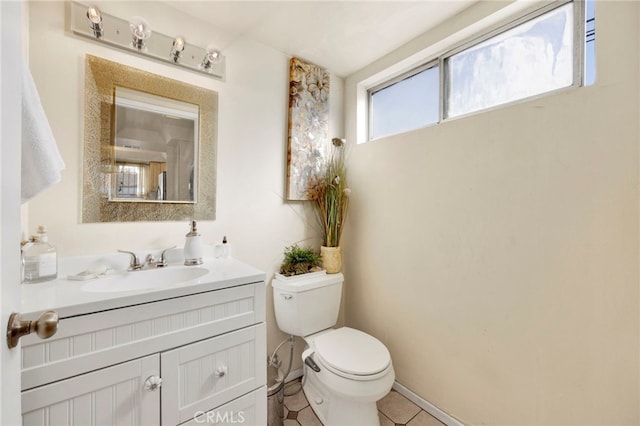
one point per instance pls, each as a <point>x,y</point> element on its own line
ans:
<point>162,186</point>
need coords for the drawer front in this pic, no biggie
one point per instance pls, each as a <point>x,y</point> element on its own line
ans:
<point>111,396</point>
<point>199,377</point>
<point>250,409</point>
<point>89,342</point>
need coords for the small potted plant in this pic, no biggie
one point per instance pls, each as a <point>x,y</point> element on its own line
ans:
<point>299,261</point>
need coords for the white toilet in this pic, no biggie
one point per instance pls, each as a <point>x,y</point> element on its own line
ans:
<point>345,370</point>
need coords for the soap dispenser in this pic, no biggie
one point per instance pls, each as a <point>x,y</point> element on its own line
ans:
<point>39,259</point>
<point>193,246</point>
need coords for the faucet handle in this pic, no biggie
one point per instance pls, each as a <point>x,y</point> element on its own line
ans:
<point>134,263</point>
<point>158,263</point>
<point>162,256</point>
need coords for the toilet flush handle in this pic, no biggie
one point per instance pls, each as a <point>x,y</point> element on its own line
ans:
<point>312,364</point>
<point>287,296</point>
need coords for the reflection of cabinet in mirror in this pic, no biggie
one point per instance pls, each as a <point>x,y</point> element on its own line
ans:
<point>155,148</point>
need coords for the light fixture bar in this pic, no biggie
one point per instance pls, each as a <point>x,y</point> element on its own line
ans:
<point>116,32</point>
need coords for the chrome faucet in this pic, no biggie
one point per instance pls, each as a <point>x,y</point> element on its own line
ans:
<point>134,264</point>
<point>149,261</point>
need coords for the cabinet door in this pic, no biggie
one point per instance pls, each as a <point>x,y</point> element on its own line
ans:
<point>202,376</point>
<point>249,409</point>
<point>111,396</point>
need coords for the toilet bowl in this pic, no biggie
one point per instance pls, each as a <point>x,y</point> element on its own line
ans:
<point>355,372</point>
<point>345,370</point>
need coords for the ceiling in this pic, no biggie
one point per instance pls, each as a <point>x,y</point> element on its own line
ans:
<point>342,36</point>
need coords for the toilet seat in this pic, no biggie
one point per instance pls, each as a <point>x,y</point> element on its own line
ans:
<point>352,354</point>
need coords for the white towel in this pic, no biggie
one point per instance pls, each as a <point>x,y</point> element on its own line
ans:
<point>41,160</point>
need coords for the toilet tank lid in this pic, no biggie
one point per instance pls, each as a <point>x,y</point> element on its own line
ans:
<point>305,282</point>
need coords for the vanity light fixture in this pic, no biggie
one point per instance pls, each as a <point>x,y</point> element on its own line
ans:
<point>134,36</point>
<point>140,30</point>
<point>176,48</point>
<point>95,21</point>
<point>211,57</point>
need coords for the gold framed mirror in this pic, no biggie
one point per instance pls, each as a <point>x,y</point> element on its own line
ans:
<point>102,170</point>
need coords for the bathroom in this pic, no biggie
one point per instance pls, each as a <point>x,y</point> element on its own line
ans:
<point>495,255</point>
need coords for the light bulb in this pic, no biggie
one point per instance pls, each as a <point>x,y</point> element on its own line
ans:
<point>94,15</point>
<point>212,56</point>
<point>95,21</point>
<point>178,43</point>
<point>140,30</point>
<point>177,48</point>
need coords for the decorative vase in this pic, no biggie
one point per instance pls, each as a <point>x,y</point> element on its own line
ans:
<point>331,259</point>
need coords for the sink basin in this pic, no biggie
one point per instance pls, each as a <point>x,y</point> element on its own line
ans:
<point>144,280</point>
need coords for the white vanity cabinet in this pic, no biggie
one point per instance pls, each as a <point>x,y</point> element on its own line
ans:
<point>194,359</point>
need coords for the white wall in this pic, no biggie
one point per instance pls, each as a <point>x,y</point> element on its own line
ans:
<point>252,138</point>
<point>497,255</point>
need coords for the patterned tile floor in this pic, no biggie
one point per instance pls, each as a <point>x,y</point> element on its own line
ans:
<point>393,410</point>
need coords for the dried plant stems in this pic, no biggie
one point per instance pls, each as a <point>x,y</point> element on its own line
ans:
<point>330,196</point>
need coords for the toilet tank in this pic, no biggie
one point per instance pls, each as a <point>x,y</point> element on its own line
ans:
<point>307,304</point>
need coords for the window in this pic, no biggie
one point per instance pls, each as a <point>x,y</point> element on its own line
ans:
<point>405,104</point>
<point>590,43</point>
<point>129,180</point>
<point>530,59</point>
<point>533,55</point>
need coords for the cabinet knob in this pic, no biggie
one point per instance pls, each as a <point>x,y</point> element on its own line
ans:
<point>45,326</point>
<point>152,383</point>
<point>221,371</point>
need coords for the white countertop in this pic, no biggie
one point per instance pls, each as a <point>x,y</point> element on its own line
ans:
<point>67,297</point>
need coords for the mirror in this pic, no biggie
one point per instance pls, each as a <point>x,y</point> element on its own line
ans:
<point>155,149</point>
<point>150,145</point>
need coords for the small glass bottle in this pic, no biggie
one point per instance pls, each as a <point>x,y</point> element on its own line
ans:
<point>226,250</point>
<point>222,251</point>
<point>39,259</point>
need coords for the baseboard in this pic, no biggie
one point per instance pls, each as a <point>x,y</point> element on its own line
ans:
<point>445,418</point>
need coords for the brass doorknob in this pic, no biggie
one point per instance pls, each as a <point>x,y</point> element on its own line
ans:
<point>45,326</point>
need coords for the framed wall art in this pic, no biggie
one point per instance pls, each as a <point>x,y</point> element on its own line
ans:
<point>308,125</point>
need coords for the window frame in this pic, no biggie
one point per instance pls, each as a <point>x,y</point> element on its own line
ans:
<point>388,83</point>
<point>440,60</point>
